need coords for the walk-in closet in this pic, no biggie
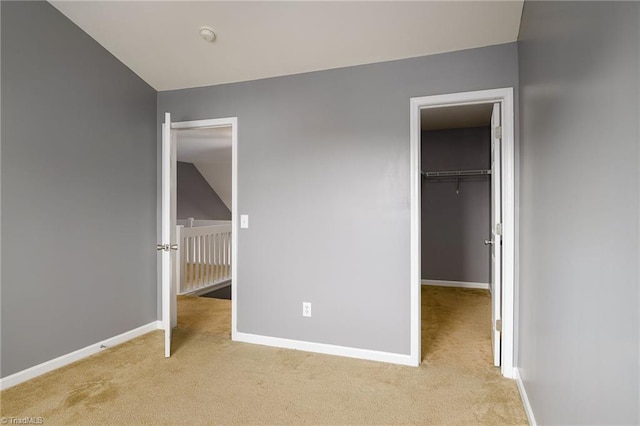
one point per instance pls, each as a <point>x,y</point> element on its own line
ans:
<point>455,223</point>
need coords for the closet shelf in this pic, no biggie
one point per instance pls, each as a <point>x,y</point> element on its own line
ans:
<point>456,173</point>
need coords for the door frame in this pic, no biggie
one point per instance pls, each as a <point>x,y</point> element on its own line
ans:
<point>505,97</point>
<point>205,124</point>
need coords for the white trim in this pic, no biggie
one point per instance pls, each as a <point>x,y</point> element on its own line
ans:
<point>415,234</point>
<point>525,398</point>
<point>226,122</point>
<point>203,124</point>
<point>324,348</point>
<point>235,227</point>
<point>209,288</point>
<point>459,284</point>
<point>504,96</point>
<point>165,237</point>
<point>508,234</point>
<point>61,361</point>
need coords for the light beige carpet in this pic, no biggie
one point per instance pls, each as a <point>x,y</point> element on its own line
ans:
<point>212,380</point>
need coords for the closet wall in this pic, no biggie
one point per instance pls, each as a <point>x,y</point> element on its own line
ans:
<point>455,225</point>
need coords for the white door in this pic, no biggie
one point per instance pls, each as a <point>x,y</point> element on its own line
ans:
<point>496,234</point>
<point>168,247</point>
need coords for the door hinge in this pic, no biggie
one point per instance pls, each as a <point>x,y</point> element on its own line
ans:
<point>499,326</point>
<point>498,133</point>
<point>499,229</point>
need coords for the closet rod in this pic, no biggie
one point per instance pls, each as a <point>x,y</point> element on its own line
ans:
<point>454,173</point>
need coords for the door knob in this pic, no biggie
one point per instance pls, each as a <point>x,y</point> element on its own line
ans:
<point>174,247</point>
<point>487,242</point>
<point>166,247</point>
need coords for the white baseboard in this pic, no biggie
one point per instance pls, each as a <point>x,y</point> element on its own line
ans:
<point>461,284</point>
<point>61,361</point>
<point>323,348</point>
<point>208,289</point>
<point>525,398</point>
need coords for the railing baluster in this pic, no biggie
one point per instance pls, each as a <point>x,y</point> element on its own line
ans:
<point>204,256</point>
<point>224,255</point>
<point>196,261</point>
<point>214,251</point>
<point>208,257</point>
<point>203,266</point>
<point>179,262</point>
<point>228,254</point>
<point>220,253</point>
<point>203,245</point>
<point>205,249</point>
<point>187,244</point>
<point>193,262</point>
<point>215,256</point>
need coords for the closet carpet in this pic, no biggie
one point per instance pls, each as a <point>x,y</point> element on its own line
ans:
<point>212,380</point>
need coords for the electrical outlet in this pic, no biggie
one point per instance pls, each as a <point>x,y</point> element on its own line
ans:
<point>306,309</point>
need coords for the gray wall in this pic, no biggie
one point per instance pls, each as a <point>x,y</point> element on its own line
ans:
<point>195,197</point>
<point>78,190</point>
<point>323,164</point>
<point>454,226</point>
<point>578,335</point>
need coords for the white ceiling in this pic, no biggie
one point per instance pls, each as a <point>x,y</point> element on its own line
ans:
<point>159,40</point>
<point>456,117</point>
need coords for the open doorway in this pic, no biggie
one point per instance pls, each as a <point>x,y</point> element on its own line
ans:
<point>203,219</point>
<point>456,193</point>
<point>199,254</point>
<point>501,235</point>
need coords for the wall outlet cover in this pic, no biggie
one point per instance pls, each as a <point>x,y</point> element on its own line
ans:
<point>306,309</point>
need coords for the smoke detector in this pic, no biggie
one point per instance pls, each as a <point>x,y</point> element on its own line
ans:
<point>207,34</point>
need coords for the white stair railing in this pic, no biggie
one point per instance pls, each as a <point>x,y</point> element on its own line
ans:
<point>204,254</point>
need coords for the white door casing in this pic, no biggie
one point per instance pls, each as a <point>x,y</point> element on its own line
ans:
<point>495,284</point>
<point>173,215</point>
<point>504,97</point>
<point>167,245</point>
<point>169,276</point>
